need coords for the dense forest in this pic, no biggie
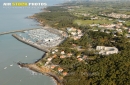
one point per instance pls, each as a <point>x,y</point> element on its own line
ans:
<point>104,70</point>
<point>57,18</point>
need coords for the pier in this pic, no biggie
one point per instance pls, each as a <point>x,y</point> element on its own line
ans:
<point>3,33</point>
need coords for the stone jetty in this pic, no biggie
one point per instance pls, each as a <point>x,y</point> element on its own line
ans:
<point>30,43</point>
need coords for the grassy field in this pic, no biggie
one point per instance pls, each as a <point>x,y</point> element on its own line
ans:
<point>87,22</point>
<point>127,23</point>
<point>128,13</point>
<point>81,10</point>
<point>123,12</point>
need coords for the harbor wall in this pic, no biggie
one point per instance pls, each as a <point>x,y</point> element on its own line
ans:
<point>31,44</point>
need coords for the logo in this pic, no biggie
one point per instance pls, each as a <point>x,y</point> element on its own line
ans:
<point>24,4</point>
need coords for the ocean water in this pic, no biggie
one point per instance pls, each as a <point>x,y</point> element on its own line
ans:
<point>12,50</point>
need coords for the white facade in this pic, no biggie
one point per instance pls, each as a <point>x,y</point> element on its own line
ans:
<point>106,50</point>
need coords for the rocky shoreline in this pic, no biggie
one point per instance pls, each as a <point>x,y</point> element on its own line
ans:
<point>35,68</point>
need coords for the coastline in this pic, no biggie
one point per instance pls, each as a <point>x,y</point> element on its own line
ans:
<point>35,68</point>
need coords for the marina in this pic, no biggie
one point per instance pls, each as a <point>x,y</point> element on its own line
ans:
<point>30,43</point>
<point>44,38</point>
<point>40,38</point>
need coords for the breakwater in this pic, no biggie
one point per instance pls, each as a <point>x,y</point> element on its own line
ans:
<point>31,44</point>
<point>3,33</point>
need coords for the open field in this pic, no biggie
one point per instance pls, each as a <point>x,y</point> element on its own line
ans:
<point>127,23</point>
<point>87,22</point>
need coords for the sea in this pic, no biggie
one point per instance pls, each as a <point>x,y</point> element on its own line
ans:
<point>13,51</point>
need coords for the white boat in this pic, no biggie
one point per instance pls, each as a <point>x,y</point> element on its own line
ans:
<point>5,67</point>
<point>20,66</point>
<point>11,65</point>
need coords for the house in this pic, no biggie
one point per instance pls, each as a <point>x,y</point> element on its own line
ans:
<point>73,29</point>
<point>73,33</point>
<point>107,26</point>
<point>76,38</point>
<point>94,18</point>
<point>121,21</point>
<point>119,30</point>
<point>78,56</point>
<point>95,30</point>
<point>49,59</point>
<point>64,73</point>
<point>60,69</point>
<point>74,45</point>
<point>79,31</point>
<point>125,28</point>
<point>62,56</point>
<point>102,30</point>
<point>80,59</point>
<point>128,30</point>
<point>84,57</point>
<point>53,52</point>
<point>54,56</point>
<point>92,25</point>
<point>128,35</point>
<point>62,52</point>
<point>108,32</point>
<point>53,66</point>
<point>80,35</point>
<point>120,24</point>
<point>69,29</point>
<point>69,54</point>
<point>56,50</point>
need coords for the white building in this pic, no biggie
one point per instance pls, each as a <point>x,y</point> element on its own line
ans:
<point>106,50</point>
<point>128,35</point>
<point>62,52</point>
